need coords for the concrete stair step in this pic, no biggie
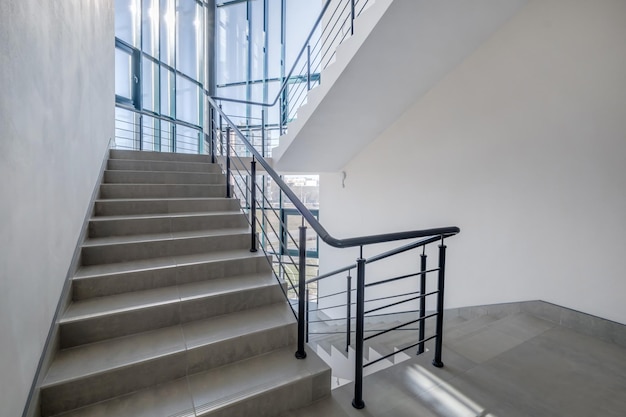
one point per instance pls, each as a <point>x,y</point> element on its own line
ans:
<point>126,206</point>
<point>102,318</point>
<point>158,156</point>
<point>116,249</point>
<point>265,385</point>
<point>111,279</point>
<point>81,376</point>
<point>162,177</point>
<point>170,166</point>
<point>161,190</point>
<point>105,226</point>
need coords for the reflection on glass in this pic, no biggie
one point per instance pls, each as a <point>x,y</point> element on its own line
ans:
<point>127,21</point>
<point>188,42</point>
<point>150,27</point>
<point>168,30</point>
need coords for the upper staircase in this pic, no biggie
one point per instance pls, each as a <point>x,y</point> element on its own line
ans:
<point>171,314</point>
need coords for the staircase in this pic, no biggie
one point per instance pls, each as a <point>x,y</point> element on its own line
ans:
<point>171,314</point>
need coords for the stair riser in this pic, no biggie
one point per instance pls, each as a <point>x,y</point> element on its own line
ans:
<point>158,156</point>
<point>121,208</point>
<point>232,350</point>
<point>273,402</point>
<point>124,252</point>
<point>164,277</point>
<point>85,391</point>
<point>149,318</point>
<point>171,166</point>
<point>128,227</point>
<point>161,191</point>
<point>144,177</point>
<point>100,387</point>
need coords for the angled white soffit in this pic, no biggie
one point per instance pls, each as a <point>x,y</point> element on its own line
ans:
<point>400,50</point>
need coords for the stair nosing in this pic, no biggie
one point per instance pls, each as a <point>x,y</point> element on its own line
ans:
<point>95,242</point>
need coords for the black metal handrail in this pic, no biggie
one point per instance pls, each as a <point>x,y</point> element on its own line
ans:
<point>425,237</point>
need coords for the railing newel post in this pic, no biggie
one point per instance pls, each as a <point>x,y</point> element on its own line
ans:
<point>440,288</point>
<point>253,239</point>
<point>308,307</point>
<point>308,67</point>
<point>228,190</point>
<point>422,332</point>
<point>352,17</point>
<point>357,402</point>
<point>301,353</point>
<point>349,310</point>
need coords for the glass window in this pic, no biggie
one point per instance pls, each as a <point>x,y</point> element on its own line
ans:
<point>187,100</point>
<point>232,43</point>
<point>126,129</point>
<point>167,83</point>
<point>127,21</point>
<point>189,40</point>
<point>123,74</point>
<point>187,139</point>
<point>150,27</point>
<point>167,30</point>
<point>149,85</point>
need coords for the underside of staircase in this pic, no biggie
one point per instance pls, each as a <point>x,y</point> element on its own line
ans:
<point>171,314</point>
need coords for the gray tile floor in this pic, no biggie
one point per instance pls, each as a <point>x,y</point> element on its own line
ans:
<point>514,366</point>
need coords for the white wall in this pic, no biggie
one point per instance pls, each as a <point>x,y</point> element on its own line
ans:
<point>56,118</point>
<point>523,146</point>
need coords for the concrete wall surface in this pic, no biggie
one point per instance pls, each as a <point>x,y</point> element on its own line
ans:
<point>56,119</point>
<point>523,146</point>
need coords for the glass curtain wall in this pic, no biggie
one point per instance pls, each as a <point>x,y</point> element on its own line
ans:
<point>160,72</point>
<point>257,42</point>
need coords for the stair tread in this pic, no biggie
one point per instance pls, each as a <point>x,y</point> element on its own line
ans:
<point>90,271</point>
<point>114,240</point>
<point>107,305</point>
<point>148,199</point>
<point>162,172</point>
<point>165,215</point>
<point>198,394</point>
<point>99,357</point>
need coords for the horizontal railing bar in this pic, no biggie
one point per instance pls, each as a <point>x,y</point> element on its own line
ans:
<point>390,296</point>
<point>384,255</point>
<point>399,326</point>
<point>337,293</point>
<point>400,302</point>
<point>385,281</point>
<point>399,351</point>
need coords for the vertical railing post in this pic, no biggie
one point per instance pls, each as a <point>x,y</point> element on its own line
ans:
<point>308,307</point>
<point>352,17</point>
<point>301,353</point>
<point>357,402</point>
<point>420,347</point>
<point>212,135</point>
<point>440,287</point>
<point>349,310</point>
<point>263,132</point>
<point>253,240</point>
<point>228,162</point>
<point>221,135</point>
<point>308,67</point>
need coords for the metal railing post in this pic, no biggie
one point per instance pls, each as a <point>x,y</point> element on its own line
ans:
<point>308,67</point>
<point>253,241</point>
<point>440,287</point>
<point>307,315</point>
<point>228,162</point>
<point>352,18</point>
<point>349,310</point>
<point>301,353</point>
<point>420,348</point>
<point>357,402</point>
<point>212,135</point>
<point>221,134</point>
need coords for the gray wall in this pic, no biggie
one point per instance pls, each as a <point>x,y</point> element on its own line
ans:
<point>56,119</point>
